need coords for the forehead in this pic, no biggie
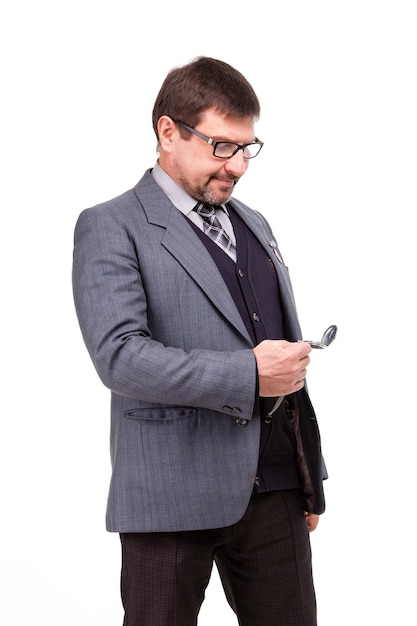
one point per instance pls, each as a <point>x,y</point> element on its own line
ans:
<point>220,127</point>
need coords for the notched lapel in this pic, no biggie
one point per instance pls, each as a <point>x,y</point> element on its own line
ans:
<point>185,246</point>
<point>182,242</point>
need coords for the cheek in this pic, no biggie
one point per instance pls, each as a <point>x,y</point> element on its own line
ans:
<point>186,157</point>
<point>197,167</point>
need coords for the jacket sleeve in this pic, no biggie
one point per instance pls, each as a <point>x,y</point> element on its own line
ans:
<point>110,295</point>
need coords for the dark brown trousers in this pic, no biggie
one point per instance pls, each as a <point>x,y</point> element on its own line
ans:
<point>264,562</point>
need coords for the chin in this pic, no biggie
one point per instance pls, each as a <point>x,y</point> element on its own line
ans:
<point>223,196</point>
<point>216,194</point>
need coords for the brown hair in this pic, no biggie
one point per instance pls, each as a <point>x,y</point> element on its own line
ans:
<point>202,84</point>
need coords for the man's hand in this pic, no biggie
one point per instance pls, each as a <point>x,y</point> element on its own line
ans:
<point>312,521</point>
<point>282,366</point>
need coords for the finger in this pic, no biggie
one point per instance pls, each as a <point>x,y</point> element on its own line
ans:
<point>306,348</point>
<point>303,348</point>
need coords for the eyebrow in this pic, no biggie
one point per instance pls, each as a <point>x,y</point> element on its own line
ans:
<point>222,140</point>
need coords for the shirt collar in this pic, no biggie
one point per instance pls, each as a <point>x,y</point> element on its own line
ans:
<point>178,196</point>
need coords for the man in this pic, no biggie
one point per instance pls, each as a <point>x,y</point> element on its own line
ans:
<point>214,443</point>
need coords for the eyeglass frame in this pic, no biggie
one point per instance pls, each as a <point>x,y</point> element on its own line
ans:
<point>214,143</point>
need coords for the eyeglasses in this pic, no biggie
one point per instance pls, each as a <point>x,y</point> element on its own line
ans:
<point>227,149</point>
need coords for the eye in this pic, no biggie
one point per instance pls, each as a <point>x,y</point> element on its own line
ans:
<point>225,149</point>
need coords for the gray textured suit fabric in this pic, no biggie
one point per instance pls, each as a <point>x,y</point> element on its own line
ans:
<point>166,338</point>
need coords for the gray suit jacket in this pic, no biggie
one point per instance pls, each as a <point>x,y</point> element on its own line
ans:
<point>165,336</point>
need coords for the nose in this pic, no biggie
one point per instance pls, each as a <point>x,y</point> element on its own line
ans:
<point>236,165</point>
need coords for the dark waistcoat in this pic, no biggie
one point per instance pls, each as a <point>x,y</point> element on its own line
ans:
<point>253,284</point>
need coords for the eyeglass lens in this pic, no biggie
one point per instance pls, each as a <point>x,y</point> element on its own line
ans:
<point>226,150</point>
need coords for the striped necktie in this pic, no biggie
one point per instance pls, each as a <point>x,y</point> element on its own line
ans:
<point>212,226</point>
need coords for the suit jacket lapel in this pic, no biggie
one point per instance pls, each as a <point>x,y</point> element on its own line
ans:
<point>261,230</point>
<point>182,242</point>
<point>186,247</point>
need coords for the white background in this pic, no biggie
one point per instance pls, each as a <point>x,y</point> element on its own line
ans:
<point>337,181</point>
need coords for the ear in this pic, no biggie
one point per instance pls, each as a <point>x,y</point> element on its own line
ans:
<point>167,129</point>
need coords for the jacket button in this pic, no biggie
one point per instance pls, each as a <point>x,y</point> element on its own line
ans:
<point>229,409</point>
<point>241,421</point>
